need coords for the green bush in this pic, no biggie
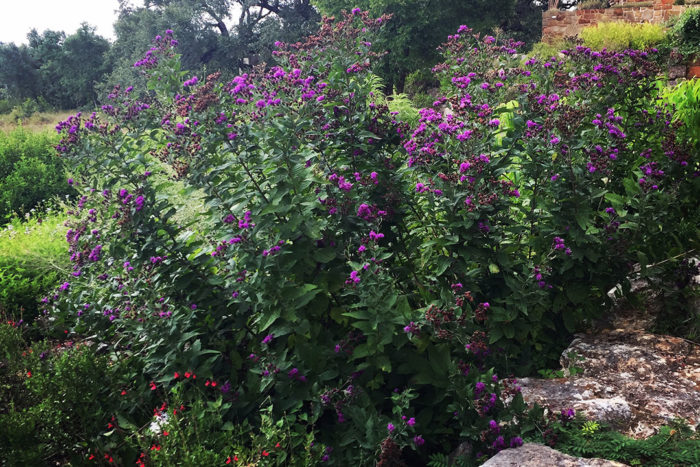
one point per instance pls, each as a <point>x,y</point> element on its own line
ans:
<point>30,171</point>
<point>28,108</point>
<point>364,280</point>
<point>32,259</point>
<point>420,81</point>
<point>686,32</point>
<point>545,50</point>
<point>685,97</point>
<point>622,35</point>
<point>54,398</point>
<point>675,444</point>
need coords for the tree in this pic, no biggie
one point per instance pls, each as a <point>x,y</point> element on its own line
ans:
<point>213,34</point>
<point>83,65</point>
<point>18,72</point>
<point>418,27</point>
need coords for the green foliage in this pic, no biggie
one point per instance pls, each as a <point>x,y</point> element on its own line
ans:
<point>420,81</point>
<point>674,444</point>
<point>686,32</point>
<point>418,27</point>
<point>362,281</point>
<point>28,108</point>
<point>54,399</point>
<point>30,171</point>
<point>622,35</point>
<point>32,260</point>
<point>678,314</point>
<point>545,50</point>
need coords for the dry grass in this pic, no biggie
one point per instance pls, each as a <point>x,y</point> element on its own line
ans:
<point>40,121</point>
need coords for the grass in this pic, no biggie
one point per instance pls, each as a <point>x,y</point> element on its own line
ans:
<point>33,256</point>
<point>40,121</point>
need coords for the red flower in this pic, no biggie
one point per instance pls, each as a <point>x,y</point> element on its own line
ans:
<point>213,384</point>
<point>123,392</point>
<point>176,375</point>
<point>29,374</point>
<point>166,433</point>
<point>277,445</point>
<point>153,386</point>
<point>155,447</point>
<point>265,453</point>
<point>228,460</point>
<point>187,374</point>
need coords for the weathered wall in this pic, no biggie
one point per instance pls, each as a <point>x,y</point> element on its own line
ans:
<point>557,24</point>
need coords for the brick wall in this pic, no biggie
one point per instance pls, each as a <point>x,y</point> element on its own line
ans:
<point>557,24</point>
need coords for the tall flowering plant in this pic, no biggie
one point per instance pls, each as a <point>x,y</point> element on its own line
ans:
<point>340,263</point>
<point>541,183</point>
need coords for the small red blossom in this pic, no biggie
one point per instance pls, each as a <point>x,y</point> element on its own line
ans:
<point>29,374</point>
<point>155,447</point>
<point>176,375</point>
<point>265,453</point>
<point>187,374</point>
<point>153,386</point>
<point>123,393</point>
<point>277,445</point>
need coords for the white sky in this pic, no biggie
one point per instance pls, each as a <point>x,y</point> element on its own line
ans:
<point>18,17</point>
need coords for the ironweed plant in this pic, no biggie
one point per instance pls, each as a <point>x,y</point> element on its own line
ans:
<point>365,283</point>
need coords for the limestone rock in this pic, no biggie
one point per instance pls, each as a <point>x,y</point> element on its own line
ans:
<point>537,455</point>
<point>631,379</point>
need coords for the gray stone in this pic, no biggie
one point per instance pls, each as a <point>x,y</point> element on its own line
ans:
<point>631,379</point>
<point>537,455</point>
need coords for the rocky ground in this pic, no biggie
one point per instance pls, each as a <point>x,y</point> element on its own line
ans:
<point>625,376</point>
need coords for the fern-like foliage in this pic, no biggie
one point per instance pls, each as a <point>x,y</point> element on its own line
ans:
<point>400,103</point>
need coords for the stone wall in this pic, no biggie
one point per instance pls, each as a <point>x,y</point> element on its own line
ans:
<point>557,24</point>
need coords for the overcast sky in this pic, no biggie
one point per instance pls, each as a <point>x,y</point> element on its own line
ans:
<point>18,17</point>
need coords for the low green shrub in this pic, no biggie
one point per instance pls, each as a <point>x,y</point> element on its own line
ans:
<point>55,400</point>
<point>367,281</point>
<point>29,107</point>
<point>686,32</point>
<point>674,444</point>
<point>420,81</point>
<point>32,259</point>
<point>30,171</point>
<point>545,50</point>
<point>621,36</point>
<point>685,97</point>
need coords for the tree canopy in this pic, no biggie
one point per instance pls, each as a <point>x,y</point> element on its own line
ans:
<point>418,27</point>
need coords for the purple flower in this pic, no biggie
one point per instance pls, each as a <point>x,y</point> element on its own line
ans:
<point>418,440</point>
<point>411,421</point>
<point>516,442</point>
<point>267,339</point>
<point>64,286</point>
<point>356,11</point>
<point>390,427</point>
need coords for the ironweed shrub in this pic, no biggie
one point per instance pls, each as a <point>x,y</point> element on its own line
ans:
<point>367,283</point>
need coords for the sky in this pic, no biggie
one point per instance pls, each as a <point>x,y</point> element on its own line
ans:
<point>18,17</point>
